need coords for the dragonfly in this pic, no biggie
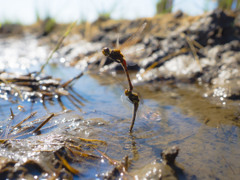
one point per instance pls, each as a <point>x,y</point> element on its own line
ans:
<point>117,56</point>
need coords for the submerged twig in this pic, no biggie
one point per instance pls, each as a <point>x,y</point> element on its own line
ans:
<point>67,165</point>
<point>75,104</point>
<point>78,95</point>
<point>77,100</point>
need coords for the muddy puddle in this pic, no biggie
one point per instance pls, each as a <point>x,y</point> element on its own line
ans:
<point>206,132</point>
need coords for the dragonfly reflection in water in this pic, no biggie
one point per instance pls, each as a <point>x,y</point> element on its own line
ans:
<point>117,56</point>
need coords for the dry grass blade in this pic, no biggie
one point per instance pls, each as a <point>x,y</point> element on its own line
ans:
<point>92,140</point>
<point>15,88</point>
<point>71,80</point>
<point>78,153</point>
<point>193,50</point>
<point>43,123</point>
<point>85,145</point>
<point>111,161</point>
<point>2,141</point>
<point>122,167</point>
<point>197,44</point>
<point>17,125</point>
<point>180,51</point>
<point>31,87</point>
<point>31,132</point>
<point>60,41</point>
<point>30,128</point>
<point>67,165</point>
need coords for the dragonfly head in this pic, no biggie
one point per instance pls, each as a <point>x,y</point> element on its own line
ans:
<point>106,51</point>
<point>127,92</point>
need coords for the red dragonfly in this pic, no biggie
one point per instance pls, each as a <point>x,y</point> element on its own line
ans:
<point>117,56</point>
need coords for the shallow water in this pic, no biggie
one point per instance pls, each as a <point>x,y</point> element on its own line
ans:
<point>206,133</point>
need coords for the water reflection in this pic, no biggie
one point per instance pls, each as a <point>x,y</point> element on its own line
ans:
<point>197,125</point>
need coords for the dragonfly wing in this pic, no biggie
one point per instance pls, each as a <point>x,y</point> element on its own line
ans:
<point>131,49</point>
<point>117,42</point>
<point>134,38</point>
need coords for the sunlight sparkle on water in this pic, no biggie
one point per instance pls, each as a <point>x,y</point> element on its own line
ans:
<point>220,92</point>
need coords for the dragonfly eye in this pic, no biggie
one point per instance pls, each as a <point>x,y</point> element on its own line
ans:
<point>106,51</point>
